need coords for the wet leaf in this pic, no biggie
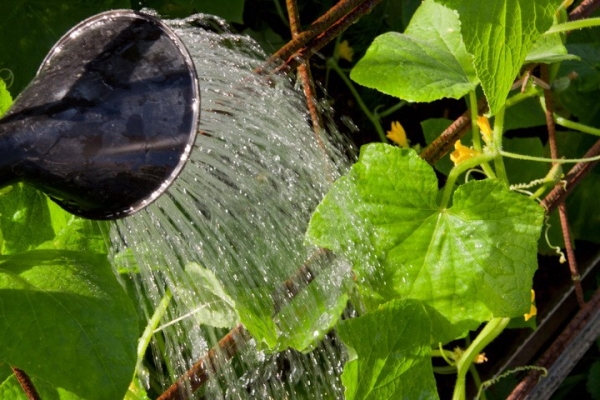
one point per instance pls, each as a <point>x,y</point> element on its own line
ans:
<point>472,261</point>
<point>500,34</point>
<point>389,363</point>
<point>304,321</point>
<point>426,63</point>
<point>214,307</point>
<point>67,309</point>
<point>25,219</point>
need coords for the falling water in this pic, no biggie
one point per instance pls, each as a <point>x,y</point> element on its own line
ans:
<point>230,231</point>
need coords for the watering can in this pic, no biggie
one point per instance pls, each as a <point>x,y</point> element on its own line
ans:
<point>109,120</point>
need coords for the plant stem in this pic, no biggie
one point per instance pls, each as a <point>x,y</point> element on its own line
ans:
<point>474,115</point>
<point>458,170</point>
<point>392,109</point>
<point>477,380</point>
<point>576,126</point>
<point>497,138</point>
<point>521,96</point>
<point>572,25</point>
<point>550,160</point>
<point>489,172</point>
<point>491,330</point>
<point>146,337</point>
<point>373,118</point>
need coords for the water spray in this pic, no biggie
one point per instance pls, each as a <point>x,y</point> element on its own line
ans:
<point>109,120</point>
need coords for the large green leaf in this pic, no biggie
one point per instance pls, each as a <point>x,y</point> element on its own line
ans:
<point>426,63</point>
<point>499,34</point>
<point>25,220</point>
<point>10,389</point>
<point>581,97</point>
<point>472,261</point>
<point>392,353</point>
<point>65,319</point>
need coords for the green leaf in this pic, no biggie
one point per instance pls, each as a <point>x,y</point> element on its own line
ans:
<point>214,306</point>
<point>525,114</point>
<point>549,49</point>
<point>428,62</point>
<point>24,219</point>
<point>5,98</point>
<point>593,384</point>
<point>64,318</point>
<point>11,389</point>
<point>312,313</point>
<point>522,171</point>
<point>471,262</point>
<point>581,97</point>
<point>392,353</point>
<point>499,34</point>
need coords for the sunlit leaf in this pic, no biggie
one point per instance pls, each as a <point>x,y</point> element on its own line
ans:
<point>472,261</point>
<point>426,63</point>
<point>392,353</point>
<point>25,219</point>
<point>5,98</point>
<point>499,34</point>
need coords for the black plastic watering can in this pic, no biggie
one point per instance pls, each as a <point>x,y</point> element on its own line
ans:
<point>109,120</point>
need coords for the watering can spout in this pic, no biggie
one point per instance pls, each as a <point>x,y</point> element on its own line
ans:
<point>108,122</point>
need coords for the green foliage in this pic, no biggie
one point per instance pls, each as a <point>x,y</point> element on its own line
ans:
<point>593,383</point>
<point>219,309</point>
<point>66,306</point>
<point>5,98</point>
<point>389,364</point>
<point>426,265</point>
<point>472,261</point>
<point>24,219</point>
<point>430,51</point>
<point>499,35</point>
<point>60,301</point>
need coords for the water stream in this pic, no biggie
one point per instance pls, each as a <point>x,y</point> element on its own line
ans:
<point>230,231</point>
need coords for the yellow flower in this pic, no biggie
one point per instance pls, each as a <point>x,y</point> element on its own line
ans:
<point>484,126</point>
<point>533,310</point>
<point>480,358</point>
<point>345,51</point>
<point>462,153</point>
<point>397,135</point>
